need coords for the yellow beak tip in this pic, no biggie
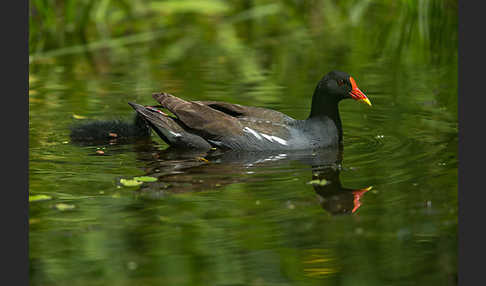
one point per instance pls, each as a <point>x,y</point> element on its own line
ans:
<point>367,101</point>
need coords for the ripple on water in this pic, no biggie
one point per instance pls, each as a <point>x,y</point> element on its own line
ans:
<point>399,153</point>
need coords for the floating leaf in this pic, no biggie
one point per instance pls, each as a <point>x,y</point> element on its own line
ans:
<point>145,179</point>
<point>75,116</point>
<point>322,182</point>
<point>130,183</point>
<point>64,207</point>
<point>36,198</point>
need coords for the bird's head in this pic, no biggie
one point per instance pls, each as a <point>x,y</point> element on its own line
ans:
<point>340,85</point>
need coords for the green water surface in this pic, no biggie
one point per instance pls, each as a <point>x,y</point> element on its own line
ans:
<point>240,219</point>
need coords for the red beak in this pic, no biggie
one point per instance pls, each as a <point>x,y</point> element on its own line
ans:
<point>356,93</point>
<point>357,195</point>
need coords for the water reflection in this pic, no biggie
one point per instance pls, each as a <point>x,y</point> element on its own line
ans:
<point>180,171</point>
<point>332,196</point>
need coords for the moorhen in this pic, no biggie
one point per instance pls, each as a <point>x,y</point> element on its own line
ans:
<point>209,124</point>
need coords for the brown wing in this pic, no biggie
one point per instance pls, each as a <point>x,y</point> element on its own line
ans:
<point>241,111</point>
<point>206,121</point>
<point>269,124</point>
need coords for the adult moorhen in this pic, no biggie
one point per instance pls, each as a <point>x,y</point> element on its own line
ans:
<point>208,124</point>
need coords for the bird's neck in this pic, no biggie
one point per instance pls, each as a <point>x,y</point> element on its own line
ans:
<point>326,109</point>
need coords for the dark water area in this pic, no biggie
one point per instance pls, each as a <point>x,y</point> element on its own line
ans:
<point>381,212</point>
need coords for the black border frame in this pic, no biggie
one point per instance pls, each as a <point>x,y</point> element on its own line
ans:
<point>15,118</point>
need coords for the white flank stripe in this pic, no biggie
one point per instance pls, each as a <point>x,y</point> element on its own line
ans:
<point>175,134</point>
<point>246,129</point>
<point>275,138</point>
<point>279,140</point>
<point>268,137</point>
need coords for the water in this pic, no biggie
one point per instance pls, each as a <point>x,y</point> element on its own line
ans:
<point>253,219</point>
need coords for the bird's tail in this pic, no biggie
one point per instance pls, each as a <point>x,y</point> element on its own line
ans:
<point>170,129</point>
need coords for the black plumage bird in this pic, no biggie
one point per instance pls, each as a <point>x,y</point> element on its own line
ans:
<point>208,124</point>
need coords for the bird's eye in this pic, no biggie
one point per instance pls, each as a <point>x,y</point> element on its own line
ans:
<point>340,82</point>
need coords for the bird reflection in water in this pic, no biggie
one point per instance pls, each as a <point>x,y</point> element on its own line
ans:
<point>332,196</point>
<point>181,171</point>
